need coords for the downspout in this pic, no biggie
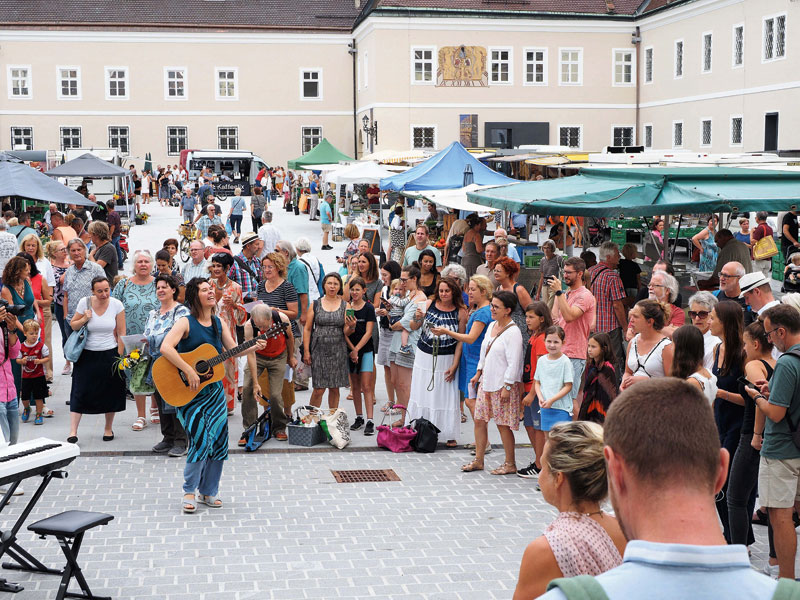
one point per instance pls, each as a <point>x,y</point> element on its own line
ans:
<point>351,48</point>
<point>637,41</point>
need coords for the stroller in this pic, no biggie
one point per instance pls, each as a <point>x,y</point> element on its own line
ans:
<point>791,277</point>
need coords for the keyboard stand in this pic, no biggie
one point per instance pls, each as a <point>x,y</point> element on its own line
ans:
<point>8,539</point>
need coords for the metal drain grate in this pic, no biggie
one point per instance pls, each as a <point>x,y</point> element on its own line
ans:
<point>365,475</point>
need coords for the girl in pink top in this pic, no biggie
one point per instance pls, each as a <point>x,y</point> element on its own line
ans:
<point>583,540</point>
<point>9,404</point>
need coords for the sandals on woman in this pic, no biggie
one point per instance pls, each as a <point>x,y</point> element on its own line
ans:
<point>139,424</point>
<point>386,407</point>
<point>189,505</point>
<point>154,418</point>
<point>473,466</point>
<point>506,468</point>
<point>211,501</point>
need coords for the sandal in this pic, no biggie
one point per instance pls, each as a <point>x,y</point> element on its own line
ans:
<point>211,501</point>
<point>188,505</point>
<point>48,413</point>
<point>154,418</point>
<point>505,469</point>
<point>487,451</point>
<point>473,466</point>
<point>386,407</point>
<point>139,424</point>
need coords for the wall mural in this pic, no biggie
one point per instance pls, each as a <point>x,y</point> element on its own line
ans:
<point>462,66</point>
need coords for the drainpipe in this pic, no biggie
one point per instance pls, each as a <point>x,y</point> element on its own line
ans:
<point>636,40</point>
<point>351,48</point>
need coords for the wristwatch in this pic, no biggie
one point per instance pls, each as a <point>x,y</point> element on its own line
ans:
<point>508,387</point>
<point>559,292</point>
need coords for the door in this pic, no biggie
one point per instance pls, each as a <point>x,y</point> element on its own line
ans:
<point>771,132</point>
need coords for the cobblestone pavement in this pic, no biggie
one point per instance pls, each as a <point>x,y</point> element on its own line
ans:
<point>288,530</point>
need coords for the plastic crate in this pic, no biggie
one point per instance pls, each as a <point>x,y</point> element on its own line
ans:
<point>619,236</point>
<point>777,267</point>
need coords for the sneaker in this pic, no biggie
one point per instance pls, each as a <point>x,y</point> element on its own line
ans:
<point>177,451</point>
<point>370,428</point>
<point>242,441</point>
<point>39,420</point>
<point>771,570</point>
<point>357,424</point>
<point>26,414</point>
<point>405,349</point>
<point>529,472</point>
<point>162,447</point>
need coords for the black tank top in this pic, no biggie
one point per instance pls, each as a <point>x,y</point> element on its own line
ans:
<point>749,421</point>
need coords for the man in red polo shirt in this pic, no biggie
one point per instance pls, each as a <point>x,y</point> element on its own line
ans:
<point>574,311</point>
<point>272,359</point>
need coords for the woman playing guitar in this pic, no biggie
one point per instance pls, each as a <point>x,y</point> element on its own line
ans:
<point>205,418</point>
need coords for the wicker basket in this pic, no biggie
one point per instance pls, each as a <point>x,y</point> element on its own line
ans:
<point>303,435</point>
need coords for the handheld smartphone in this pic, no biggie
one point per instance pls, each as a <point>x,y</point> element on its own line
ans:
<point>349,312</point>
<point>746,382</point>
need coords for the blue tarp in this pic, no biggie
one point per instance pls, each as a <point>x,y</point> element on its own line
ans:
<point>18,179</point>
<point>445,171</point>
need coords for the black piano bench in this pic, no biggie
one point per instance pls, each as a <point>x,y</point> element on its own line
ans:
<point>71,525</point>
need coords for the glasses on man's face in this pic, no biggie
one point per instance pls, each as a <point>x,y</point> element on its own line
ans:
<point>726,276</point>
<point>771,331</point>
<point>569,272</point>
<point>698,314</point>
<point>655,285</point>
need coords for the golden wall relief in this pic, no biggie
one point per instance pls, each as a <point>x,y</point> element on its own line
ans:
<point>462,66</point>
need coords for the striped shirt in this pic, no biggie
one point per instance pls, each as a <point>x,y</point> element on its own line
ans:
<point>279,298</point>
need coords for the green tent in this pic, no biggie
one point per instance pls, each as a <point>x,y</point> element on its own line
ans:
<point>323,153</point>
<point>642,192</point>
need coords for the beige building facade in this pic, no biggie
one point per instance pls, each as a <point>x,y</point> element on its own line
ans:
<point>704,75</point>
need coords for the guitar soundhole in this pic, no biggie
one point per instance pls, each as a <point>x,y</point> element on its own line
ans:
<point>202,367</point>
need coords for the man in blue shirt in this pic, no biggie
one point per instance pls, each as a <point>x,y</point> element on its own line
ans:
<point>779,400</point>
<point>665,466</point>
<point>326,216</point>
<point>188,202</point>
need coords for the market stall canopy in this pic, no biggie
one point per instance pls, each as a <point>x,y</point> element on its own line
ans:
<point>323,153</point>
<point>648,192</point>
<point>87,165</point>
<point>455,199</point>
<point>18,179</point>
<point>446,170</point>
<point>395,156</point>
<point>360,172</point>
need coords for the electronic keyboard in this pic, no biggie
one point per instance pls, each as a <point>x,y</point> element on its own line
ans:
<point>35,457</point>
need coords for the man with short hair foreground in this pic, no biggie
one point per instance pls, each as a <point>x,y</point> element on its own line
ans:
<point>665,466</point>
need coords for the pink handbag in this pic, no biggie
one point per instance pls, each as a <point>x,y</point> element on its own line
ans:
<point>396,439</point>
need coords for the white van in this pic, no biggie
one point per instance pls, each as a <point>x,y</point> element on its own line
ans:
<point>234,168</point>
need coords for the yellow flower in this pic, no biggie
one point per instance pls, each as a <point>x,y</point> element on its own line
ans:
<point>120,366</point>
<point>126,363</point>
<point>135,355</point>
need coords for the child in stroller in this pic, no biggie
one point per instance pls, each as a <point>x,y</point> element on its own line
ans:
<point>791,273</point>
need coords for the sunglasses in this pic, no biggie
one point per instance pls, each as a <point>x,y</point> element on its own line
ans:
<point>700,313</point>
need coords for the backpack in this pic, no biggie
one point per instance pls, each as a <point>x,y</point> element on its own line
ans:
<point>585,587</point>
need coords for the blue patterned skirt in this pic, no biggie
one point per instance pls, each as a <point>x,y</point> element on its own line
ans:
<point>205,420</point>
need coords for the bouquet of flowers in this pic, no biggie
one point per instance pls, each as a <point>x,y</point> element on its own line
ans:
<point>136,364</point>
<point>42,231</point>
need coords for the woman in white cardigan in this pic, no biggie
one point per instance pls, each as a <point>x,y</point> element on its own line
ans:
<point>499,381</point>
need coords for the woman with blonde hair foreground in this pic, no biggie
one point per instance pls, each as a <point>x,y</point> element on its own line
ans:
<point>583,540</point>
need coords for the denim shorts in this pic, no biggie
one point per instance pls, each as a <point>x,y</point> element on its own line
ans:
<point>532,416</point>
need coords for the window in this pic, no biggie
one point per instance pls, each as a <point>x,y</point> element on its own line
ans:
<point>19,82</point>
<point>678,59</point>
<point>677,134</point>
<point>648,136</point>
<point>22,138</point>
<point>774,37</point>
<point>422,65</point>
<point>175,83</point>
<point>648,65</point>
<point>705,132</point>
<point>707,52</point>
<point>570,135</point>
<point>227,84</point>
<point>177,140</point>
<point>311,84</point>
<point>738,45</point>
<point>535,66</point>
<point>312,136</point>
<point>119,137</point>
<point>736,131</point>
<point>623,136</point>
<point>423,137</point>
<point>500,66</point>
<point>69,82</point>
<point>116,83</point>
<point>228,138</point>
<point>570,66</point>
<point>623,67</point>
<point>70,137</point>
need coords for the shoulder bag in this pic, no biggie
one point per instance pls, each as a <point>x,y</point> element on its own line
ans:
<point>765,248</point>
<point>75,344</point>
<point>427,436</point>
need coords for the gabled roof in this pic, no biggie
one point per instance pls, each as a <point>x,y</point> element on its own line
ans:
<point>308,15</point>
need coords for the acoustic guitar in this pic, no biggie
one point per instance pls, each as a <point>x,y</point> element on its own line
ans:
<point>172,383</point>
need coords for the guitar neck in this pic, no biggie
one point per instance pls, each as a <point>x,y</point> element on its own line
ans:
<point>223,356</point>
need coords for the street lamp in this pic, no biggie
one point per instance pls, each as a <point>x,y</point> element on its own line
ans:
<point>370,130</point>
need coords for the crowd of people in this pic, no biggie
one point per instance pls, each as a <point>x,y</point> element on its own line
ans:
<point>457,334</point>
